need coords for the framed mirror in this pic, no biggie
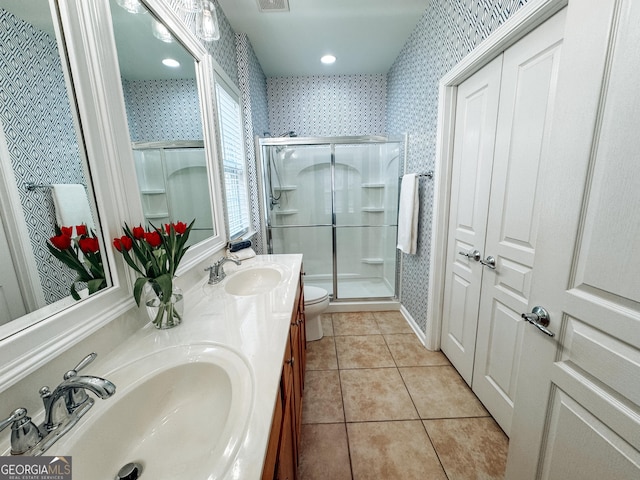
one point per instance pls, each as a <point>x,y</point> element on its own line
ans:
<point>51,246</point>
<point>162,79</point>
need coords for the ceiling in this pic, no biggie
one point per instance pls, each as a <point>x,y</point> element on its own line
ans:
<point>365,35</point>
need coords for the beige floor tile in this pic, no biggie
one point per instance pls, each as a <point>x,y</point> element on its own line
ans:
<point>470,447</point>
<point>407,351</point>
<point>354,323</point>
<point>375,394</point>
<point>366,351</point>
<point>321,354</point>
<point>392,322</point>
<point>324,453</point>
<point>327,324</point>
<point>322,397</point>
<point>439,392</point>
<point>392,450</point>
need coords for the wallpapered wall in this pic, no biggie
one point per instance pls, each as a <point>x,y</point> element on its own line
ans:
<point>253,85</point>
<point>447,32</point>
<point>327,106</point>
<point>160,110</point>
<point>40,134</point>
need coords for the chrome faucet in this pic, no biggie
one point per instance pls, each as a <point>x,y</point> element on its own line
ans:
<point>62,409</point>
<point>216,272</point>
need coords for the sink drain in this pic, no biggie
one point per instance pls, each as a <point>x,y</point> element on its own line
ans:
<point>131,471</point>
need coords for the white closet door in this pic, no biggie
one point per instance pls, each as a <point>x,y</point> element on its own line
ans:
<point>475,129</point>
<point>527,99</point>
<point>577,410</point>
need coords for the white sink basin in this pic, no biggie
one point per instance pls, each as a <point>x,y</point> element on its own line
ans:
<point>253,281</point>
<point>181,412</point>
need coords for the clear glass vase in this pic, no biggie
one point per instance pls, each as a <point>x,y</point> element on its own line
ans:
<point>164,313</point>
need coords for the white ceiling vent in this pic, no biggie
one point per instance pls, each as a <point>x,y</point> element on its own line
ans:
<point>273,5</point>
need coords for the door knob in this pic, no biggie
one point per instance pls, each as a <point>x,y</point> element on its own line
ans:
<point>489,262</point>
<point>539,318</point>
<point>475,255</point>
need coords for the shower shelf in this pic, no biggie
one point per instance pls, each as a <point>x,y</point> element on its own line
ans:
<point>153,191</point>
<point>373,261</point>
<point>285,212</point>
<point>373,209</point>
<point>373,185</point>
<point>286,188</point>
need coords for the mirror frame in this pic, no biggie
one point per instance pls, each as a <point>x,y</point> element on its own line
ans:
<point>91,58</point>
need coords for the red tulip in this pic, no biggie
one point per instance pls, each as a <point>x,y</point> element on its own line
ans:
<point>81,229</point>
<point>68,231</point>
<point>153,239</point>
<point>62,241</point>
<point>123,243</point>
<point>138,232</point>
<point>89,245</point>
<point>180,227</point>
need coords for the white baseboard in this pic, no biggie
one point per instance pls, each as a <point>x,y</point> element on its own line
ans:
<point>416,329</point>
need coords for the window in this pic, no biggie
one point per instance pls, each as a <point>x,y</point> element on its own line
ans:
<point>232,150</point>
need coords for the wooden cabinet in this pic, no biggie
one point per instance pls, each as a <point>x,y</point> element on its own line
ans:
<point>281,461</point>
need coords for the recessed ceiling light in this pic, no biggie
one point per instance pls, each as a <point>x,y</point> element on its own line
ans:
<point>328,59</point>
<point>170,62</point>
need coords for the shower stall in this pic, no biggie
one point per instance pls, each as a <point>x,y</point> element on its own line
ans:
<point>335,200</point>
<point>174,186</point>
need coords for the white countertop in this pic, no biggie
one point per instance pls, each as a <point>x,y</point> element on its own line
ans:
<point>256,327</point>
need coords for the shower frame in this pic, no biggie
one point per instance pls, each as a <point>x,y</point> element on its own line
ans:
<point>287,141</point>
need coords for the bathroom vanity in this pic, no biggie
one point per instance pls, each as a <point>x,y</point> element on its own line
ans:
<point>219,396</point>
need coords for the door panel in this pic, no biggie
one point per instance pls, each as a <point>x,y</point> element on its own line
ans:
<point>577,409</point>
<point>529,76</point>
<point>476,115</point>
<point>12,304</point>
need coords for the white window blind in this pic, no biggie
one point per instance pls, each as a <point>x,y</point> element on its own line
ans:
<point>235,179</point>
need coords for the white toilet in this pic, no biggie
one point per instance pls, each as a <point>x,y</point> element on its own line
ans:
<point>316,301</point>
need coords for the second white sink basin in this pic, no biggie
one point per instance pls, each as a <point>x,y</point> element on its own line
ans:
<point>181,412</point>
<point>253,281</point>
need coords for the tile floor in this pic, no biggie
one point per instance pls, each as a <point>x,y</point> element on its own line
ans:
<point>378,405</point>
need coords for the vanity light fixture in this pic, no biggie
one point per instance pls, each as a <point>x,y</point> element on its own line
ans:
<point>161,32</point>
<point>132,6</point>
<point>328,59</point>
<point>207,27</point>
<point>170,62</point>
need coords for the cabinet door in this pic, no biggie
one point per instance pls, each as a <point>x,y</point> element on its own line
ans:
<point>271,457</point>
<point>287,453</point>
<point>297,382</point>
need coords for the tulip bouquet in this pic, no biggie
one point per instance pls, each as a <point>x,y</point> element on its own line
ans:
<point>155,255</point>
<point>80,253</point>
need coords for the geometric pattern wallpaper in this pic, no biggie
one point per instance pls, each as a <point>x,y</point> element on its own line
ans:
<point>327,106</point>
<point>41,136</point>
<point>255,114</point>
<point>445,34</point>
<point>162,110</point>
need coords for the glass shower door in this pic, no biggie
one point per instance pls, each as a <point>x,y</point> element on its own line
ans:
<point>366,208</point>
<point>299,207</point>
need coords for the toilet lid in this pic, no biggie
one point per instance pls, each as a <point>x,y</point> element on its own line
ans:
<point>314,294</point>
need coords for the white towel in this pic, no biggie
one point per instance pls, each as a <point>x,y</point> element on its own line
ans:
<point>408,214</point>
<point>72,205</point>
<point>243,254</point>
